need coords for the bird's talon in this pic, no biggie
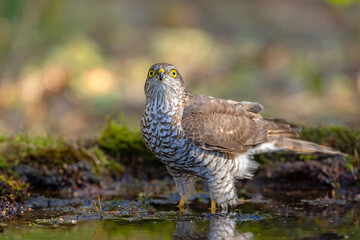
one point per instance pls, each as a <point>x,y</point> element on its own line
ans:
<point>213,207</point>
<point>181,203</point>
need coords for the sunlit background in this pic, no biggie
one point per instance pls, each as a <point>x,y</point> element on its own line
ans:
<point>67,65</point>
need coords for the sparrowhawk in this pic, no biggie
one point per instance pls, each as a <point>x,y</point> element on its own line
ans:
<point>209,138</point>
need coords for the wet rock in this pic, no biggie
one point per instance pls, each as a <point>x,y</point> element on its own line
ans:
<point>54,203</point>
<point>301,179</point>
<point>42,178</point>
<point>326,236</point>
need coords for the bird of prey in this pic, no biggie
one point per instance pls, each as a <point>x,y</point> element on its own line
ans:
<point>209,138</point>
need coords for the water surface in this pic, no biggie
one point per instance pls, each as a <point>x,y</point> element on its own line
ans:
<point>305,220</point>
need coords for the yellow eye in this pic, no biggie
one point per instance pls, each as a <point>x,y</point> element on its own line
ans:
<point>151,73</point>
<point>173,73</point>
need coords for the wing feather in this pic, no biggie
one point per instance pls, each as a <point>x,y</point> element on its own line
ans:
<point>229,126</point>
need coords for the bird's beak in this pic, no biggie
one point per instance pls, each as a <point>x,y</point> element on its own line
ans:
<point>161,73</point>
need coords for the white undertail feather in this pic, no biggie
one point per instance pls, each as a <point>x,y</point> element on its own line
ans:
<point>264,148</point>
<point>245,166</point>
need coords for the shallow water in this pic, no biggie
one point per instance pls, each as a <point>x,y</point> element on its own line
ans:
<point>266,220</point>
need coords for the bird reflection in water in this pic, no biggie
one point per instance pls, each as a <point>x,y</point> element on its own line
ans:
<point>222,226</point>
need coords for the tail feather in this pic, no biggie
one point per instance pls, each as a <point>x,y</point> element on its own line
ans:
<point>281,128</point>
<point>276,133</point>
<point>304,147</point>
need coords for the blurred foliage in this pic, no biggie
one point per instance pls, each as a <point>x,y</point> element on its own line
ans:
<point>342,3</point>
<point>65,64</point>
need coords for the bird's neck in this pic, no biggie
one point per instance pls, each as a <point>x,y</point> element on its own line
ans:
<point>168,107</point>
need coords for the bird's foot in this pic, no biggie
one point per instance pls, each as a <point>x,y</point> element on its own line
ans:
<point>181,203</point>
<point>213,207</point>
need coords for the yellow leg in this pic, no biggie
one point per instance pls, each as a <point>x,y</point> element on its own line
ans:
<point>181,203</point>
<point>213,207</point>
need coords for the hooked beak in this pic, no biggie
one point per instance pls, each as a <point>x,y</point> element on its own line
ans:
<point>161,73</point>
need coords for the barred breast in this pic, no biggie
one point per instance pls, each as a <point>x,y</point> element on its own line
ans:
<point>162,133</point>
<point>158,131</point>
<point>164,137</point>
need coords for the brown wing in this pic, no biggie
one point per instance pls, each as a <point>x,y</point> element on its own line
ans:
<point>229,126</point>
<point>196,103</point>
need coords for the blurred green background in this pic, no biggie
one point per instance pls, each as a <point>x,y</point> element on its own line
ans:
<point>65,65</point>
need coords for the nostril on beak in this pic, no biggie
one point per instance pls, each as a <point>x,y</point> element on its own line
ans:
<point>161,74</point>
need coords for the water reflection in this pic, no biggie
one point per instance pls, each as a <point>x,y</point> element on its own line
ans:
<point>307,220</point>
<point>221,227</point>
<point>100,223</point>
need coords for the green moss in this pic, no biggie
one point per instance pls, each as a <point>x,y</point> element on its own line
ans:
<point>38,151</point>
<point>12,190</point>
<point>119,149</point>
<point>104,164</point>
<point>344,139</point>
<point>127,147</point>
<point>3,137</point>
<point>56,155</point>
<point>118,140</point>
<point>2,162</point>
<point>48,151</point>
<point>29,143</point>
<point>340,138</point>
<point>307,157</point>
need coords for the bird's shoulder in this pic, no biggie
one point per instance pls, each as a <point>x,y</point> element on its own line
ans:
<point>209,105</point>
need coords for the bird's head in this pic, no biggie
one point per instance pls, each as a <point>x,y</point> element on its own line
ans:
<point>164,79</point>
